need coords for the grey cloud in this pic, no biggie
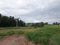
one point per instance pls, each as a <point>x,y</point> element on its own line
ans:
<point>51,14</point>
<point>46,12</point>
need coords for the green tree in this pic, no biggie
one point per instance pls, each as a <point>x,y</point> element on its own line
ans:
<point>41,24</point>
<point>21,23</point>
<point>6,21</point>
<point>55,23</point>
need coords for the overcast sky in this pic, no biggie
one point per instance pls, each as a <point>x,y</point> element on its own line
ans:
<point>32,10</point>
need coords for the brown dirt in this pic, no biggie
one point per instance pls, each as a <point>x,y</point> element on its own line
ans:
<point>15,40</point>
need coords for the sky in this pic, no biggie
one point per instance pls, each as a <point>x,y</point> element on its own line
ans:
<point>32,10</point>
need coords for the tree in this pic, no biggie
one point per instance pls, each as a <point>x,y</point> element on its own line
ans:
<point>46,23</point>
<point>41,24</point>
<point>6,21</point>
<point>55,23</point>
<point>21,23</point>
<point>12,21</point>
<point>0,19</point>
<point>0,15</point>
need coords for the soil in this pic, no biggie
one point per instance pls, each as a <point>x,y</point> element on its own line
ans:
<point>15,40</point>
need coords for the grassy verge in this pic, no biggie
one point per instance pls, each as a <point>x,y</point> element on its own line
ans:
<point>10,33</point>
<point>48,35</point>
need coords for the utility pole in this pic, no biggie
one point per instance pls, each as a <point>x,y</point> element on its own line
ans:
<point>16,22</point>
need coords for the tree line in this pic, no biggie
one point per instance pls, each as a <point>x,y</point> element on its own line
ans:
<point>38,24</point>
<point>6,21</point>
<point>56,23</point>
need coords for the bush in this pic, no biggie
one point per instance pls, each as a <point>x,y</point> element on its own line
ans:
<point>41,24</point>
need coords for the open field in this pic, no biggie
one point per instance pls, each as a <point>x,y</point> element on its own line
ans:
<point>6,29</point>
<point>47,35</point>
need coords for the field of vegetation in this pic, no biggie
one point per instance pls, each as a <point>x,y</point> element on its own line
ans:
<point>47,35</point>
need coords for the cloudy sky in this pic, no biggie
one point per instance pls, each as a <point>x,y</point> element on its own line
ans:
<point>32,10</point>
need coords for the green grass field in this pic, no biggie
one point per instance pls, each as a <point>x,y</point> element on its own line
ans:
<point>47,35</point>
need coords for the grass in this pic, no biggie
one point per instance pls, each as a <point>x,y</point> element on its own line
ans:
<point>27,29</point>
<point>4,31</point>
<point>10,33</point>
<point>47,35</point>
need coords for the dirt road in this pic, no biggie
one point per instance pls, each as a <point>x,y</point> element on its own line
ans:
<point>15,40</point>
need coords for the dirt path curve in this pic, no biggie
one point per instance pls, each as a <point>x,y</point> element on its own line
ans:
<point>15,40</point>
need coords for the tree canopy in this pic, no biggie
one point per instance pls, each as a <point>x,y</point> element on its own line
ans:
<point>6,21</point>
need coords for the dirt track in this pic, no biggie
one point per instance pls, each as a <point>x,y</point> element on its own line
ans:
<point>15,40</point>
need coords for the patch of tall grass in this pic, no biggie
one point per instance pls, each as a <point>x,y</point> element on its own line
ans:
<point>2,34</point>
<point>49,35</point>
